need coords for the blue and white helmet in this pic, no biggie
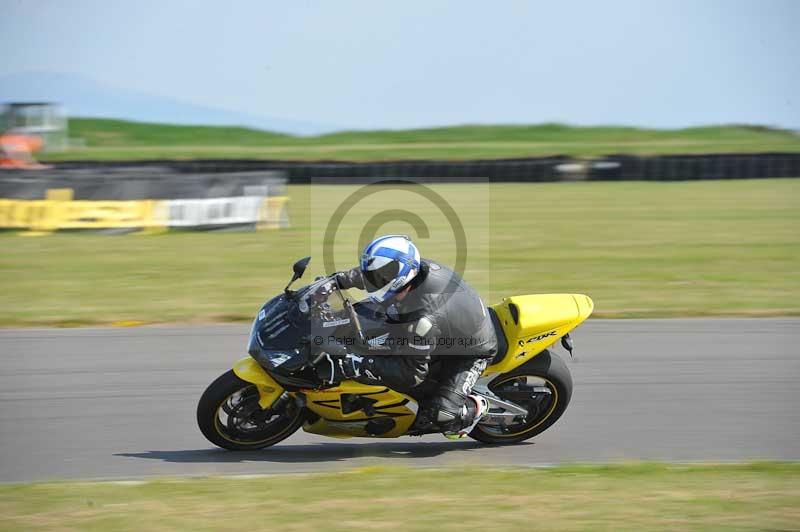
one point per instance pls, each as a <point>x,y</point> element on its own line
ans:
<point>388,264</point>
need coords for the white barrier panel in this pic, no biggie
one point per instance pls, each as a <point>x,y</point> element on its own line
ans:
<point>213,211</point>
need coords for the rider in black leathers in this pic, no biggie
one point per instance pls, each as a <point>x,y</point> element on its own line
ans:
<point>436,315</point>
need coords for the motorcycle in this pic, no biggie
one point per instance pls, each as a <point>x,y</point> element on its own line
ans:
<point>275,391</point>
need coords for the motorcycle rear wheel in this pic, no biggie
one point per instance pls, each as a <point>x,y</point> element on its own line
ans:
<point>230,417</point>
<point>547,373</point>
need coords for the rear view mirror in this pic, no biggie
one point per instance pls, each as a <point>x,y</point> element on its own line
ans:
<point>300,267</point>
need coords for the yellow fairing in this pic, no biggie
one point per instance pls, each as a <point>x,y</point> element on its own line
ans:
<point>328,404</point>
<point>249,370</point>
<point>534,322</point>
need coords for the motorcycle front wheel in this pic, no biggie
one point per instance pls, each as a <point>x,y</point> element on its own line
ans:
<point>543,386</point>
<point>230,417</point>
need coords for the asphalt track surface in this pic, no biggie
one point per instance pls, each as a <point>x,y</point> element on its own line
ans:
<point>120,403</point>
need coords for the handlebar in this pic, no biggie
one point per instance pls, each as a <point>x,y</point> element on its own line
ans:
<point>351,313</point>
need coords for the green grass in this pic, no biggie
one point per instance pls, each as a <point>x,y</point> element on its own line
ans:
<point>713,248</point>
<point>118,139</point>
<point>614,497</point>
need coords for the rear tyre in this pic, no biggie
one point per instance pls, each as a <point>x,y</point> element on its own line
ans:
<point>230,417</point>
<point>543,385</point>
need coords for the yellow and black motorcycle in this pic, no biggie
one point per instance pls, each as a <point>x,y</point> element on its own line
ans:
<point>269,395</point>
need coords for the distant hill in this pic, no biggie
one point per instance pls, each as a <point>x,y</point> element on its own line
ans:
<point>85,97</point>
<point>105,132</point>
<point>118,139</point>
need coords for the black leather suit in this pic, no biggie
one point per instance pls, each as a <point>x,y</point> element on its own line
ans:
<point>443,318</point>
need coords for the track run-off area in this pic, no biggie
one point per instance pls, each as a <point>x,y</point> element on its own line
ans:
<point>120,403</point>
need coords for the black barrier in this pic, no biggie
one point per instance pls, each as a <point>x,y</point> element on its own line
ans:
<point>334,172</point>
<point>610,168</point>
<point>692,167</point>
<point>101,182</point>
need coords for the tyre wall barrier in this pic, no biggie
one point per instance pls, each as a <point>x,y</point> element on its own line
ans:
<point>693,167</point>
<point>561,168</point>
<point>335,172</point>
<point>97,182</point>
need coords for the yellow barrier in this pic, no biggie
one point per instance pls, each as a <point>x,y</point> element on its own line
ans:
<point>44,216</point>
<point>24,214</point>
<point>52,215</point>
<point>273,214</point>
<point>107,214</point>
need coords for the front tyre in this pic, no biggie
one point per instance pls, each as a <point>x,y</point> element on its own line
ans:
<point>230,417</point>
<point>543,385</point>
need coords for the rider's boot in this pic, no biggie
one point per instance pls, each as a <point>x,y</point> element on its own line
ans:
<point>481,407</point>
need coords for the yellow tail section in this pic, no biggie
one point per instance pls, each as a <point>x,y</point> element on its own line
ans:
<point>534,322</point>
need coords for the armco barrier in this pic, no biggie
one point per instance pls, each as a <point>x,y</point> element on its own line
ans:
<point>612,167</point>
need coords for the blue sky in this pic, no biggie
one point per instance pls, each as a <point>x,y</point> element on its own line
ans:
<point>406,64</point>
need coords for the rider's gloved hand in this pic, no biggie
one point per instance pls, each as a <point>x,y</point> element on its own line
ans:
<point>337,365</point>
<point>351,365</point>
<point>349,279</point>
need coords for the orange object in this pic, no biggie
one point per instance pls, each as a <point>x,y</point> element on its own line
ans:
<point>17,151</point>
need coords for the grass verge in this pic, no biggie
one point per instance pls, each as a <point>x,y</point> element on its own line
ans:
<point>712,248</point>
<point>123,140</point>
<point>760,496</point>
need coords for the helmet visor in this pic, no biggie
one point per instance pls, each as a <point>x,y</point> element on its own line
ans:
<point>377,279</point>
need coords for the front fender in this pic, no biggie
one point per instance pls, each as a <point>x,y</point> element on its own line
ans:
<point>249,370</point>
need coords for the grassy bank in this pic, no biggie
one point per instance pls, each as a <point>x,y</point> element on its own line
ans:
<point>639,249</point>
<point>631,497</point>
<point>118,139</point>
